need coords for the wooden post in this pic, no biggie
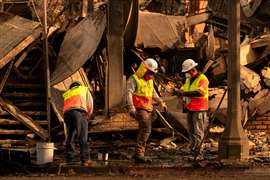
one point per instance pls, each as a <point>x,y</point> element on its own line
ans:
<point>87,7</point>
<point>4,80</point>
<point>47,68</point>
<point>114,96</point>
<point>90,6</point>
<point>234,143</point>
<point>84,8</point>
<point>1,6</point>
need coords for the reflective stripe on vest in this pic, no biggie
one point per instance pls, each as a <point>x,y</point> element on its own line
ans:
<point>76,98</point>
<point>197,103</point>
<point>142,97</point>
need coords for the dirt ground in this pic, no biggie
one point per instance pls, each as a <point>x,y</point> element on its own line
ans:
<point>141,173</point>
<point>188,177</point>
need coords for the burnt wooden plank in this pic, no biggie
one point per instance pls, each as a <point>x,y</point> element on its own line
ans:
<point>13,30</point>
<point>16,122</point>
<point>9,122</point>
<point>17,49</point>
<point>25,119</point>
<point>24,86</point>
<point>14,132</point>
<point>12,141</point>
<point>24,95</point>
<point>262,41</point>
<point>4,80</point>
<point>29,113</point>
<point>34,68</point>
<point>24,54</point>
<point>29,104</point>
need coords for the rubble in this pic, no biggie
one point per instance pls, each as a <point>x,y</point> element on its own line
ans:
<point>266,76</point>
<point>89,65</point>
<point>168,143</point>
<point>250,81</point>
<point>162,31</point>
<point>259,146</point>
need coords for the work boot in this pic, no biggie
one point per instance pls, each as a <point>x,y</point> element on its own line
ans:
<point>141,159</point>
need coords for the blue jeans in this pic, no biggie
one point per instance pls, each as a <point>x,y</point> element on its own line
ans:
<point>77,121</point>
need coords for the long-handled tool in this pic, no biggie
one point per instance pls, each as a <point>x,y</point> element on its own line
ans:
<point>165,122</point>
<point>211,120</point>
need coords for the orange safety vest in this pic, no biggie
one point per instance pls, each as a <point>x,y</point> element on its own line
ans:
<point>76,98</point>
<point>197,103</point>
<point>142,97</point>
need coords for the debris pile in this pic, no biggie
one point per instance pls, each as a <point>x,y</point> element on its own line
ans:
<point>259,146</point>
<point>83,56</point>
<point>254,76</point>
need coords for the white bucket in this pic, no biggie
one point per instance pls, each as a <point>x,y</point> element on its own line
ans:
<point>45,152</point>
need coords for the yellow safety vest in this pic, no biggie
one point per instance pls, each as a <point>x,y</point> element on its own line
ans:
<point>76,98</point>
<point>197,103</point>
<point>142,97</point>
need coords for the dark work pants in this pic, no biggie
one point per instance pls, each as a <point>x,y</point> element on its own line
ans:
<point>77,121</point>
<point>197,124</point>
<point>145,124</point>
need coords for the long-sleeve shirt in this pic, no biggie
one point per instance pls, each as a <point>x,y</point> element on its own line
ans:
<point>131,88</point>
<point>89,102</point>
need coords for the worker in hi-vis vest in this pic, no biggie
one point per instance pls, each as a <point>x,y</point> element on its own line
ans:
<point>140,96</point>
<point>195,97</point>
<point>78,107</point>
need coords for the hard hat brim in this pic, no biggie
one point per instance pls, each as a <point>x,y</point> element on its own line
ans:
<point>153,70</point>
<point>188,69</point>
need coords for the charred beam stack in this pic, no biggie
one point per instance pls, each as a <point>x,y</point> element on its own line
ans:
<point>23,102</point>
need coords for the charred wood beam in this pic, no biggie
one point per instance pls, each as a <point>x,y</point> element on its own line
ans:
<point>19,73</point>
<point>223,24</point>
<point>24,86</point>
<point>22,95</point>
<point>15,51</point>
<point>36,66</point>
<point>25,119</point>
<point>1,6</point>
<point>4,80</point>
<point>13,132</point>
<point>60,117</point>
<point>29,104</point>
<point>29,113</point>
<point>197,19</point>
<point>24,54</point>
<point>12,141</point>
<point>16,122</point>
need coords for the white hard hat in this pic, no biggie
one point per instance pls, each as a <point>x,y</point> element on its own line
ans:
<point>151,65</point>
<point>188,64</point>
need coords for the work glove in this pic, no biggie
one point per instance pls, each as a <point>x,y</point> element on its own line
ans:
<point>132,112</point>
<point>164,106</point>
